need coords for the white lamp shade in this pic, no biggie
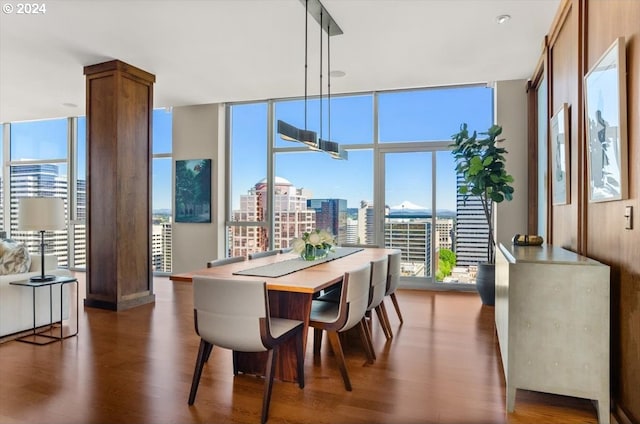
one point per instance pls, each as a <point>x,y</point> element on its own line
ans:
<point>41,214</point>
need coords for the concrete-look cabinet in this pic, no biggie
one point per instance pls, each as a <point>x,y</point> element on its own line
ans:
<point>552,319</point>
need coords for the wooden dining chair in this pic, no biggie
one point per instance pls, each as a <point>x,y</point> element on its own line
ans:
<point>256,255</point>
<point>234,314</point>
<point>335,318</point>
<point>393,279</point>
<point>224,261</point>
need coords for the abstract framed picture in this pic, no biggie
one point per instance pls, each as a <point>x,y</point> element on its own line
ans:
<point>193,190</point>
<point>606,125</point>
<point>559,126</point>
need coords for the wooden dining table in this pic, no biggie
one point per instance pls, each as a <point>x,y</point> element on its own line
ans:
<point>290,296</point>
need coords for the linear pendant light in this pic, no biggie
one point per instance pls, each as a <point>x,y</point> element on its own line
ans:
<point>289,132</point>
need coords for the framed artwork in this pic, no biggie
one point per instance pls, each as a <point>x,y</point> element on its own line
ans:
<point>193,190</point>
<point>560,156</point>
<point>606,125</point>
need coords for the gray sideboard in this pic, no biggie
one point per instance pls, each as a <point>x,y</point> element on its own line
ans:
<point>552,319</point>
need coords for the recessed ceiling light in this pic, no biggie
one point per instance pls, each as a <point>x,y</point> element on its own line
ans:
<point>503,18</point>
<point>69,105</point>
<point>337,74</point>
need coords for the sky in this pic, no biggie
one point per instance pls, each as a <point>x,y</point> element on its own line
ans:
<point>404,116</point>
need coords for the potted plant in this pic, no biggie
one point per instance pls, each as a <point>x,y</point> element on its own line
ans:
<point>481,164</point>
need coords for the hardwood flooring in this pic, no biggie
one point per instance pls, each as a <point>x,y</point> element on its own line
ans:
<point>135,366</point>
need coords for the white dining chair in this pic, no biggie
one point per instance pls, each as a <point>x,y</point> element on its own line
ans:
<point>332,294</point>
<point>234,314</point>
<point>224,261</point>
<point>256,255</point>
<point>393,279</point>
<point>377,288</point>
<point>335,318</point>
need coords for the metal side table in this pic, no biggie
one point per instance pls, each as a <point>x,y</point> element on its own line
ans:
<point>35,337</point>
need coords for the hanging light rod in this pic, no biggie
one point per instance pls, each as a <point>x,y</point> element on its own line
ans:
<point>326,22</point>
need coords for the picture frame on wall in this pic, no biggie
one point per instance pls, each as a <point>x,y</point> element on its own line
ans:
<point>193,191</point>
<point>605,94</point>
<point>560,175</point>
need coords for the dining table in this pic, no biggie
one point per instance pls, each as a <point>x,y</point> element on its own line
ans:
<point>291,284</point>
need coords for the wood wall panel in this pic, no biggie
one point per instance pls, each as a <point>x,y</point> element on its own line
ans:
<point>102,155</point>
<point>564,89</point>
<point>581,32</point>
<point>607,240</point>
<point>134,206</point>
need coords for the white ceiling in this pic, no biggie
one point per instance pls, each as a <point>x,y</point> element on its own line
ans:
<point>205,51</point>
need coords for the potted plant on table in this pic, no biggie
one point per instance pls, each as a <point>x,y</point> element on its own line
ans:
<point>480,162</point>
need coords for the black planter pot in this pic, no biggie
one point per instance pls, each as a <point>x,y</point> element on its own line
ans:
<point>486,283</point>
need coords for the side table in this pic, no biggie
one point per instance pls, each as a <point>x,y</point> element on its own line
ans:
<point>34,336</point>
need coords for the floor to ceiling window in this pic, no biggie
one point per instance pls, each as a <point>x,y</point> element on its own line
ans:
<point>38,162</point>
<point>398,187</point>
<point>161,193</point>
<point>78,196</point>
<point>48,158</point>
<point>247,229</point>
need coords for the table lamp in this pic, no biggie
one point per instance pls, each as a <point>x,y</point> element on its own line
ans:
<point>41,214</point>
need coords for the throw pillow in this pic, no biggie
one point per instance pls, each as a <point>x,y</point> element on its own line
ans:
<point>15,258</point>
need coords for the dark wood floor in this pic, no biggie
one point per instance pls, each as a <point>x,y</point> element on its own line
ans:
<point>136,366</point>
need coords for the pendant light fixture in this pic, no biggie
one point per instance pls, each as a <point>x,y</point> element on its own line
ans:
<point>310,138</point>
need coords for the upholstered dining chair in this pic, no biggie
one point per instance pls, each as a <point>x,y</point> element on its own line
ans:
<point>332,294</point>
<point>256,255</point>
<point>234,314</point>
<point>393,279</point>
<point>364,246</point>
<point>377,289</point>
<point>224,261</point>
<point>335,318</point>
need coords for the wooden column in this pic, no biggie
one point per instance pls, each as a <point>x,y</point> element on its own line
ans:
<point>119,112</point>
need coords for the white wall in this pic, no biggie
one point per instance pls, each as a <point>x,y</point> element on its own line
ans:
<point>199,133</point>
<point>511,114</point>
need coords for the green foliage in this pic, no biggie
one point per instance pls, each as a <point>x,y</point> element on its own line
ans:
<point>447,256</point>
<point>446,262</point>
<point>481,163</point>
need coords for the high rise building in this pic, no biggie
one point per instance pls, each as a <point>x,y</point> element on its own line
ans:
<point>413,238</point>
<point>291,217</point>
<point>156,247</point>
<point>366,224</point>
<point>166,247</point>
<point>331,215</point>
<point>39,180</point>
<point>352,231</point>
<point>444,232</point>
<point>472,231</point>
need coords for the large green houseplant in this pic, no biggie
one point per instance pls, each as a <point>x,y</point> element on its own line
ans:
<point>480,163</point>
